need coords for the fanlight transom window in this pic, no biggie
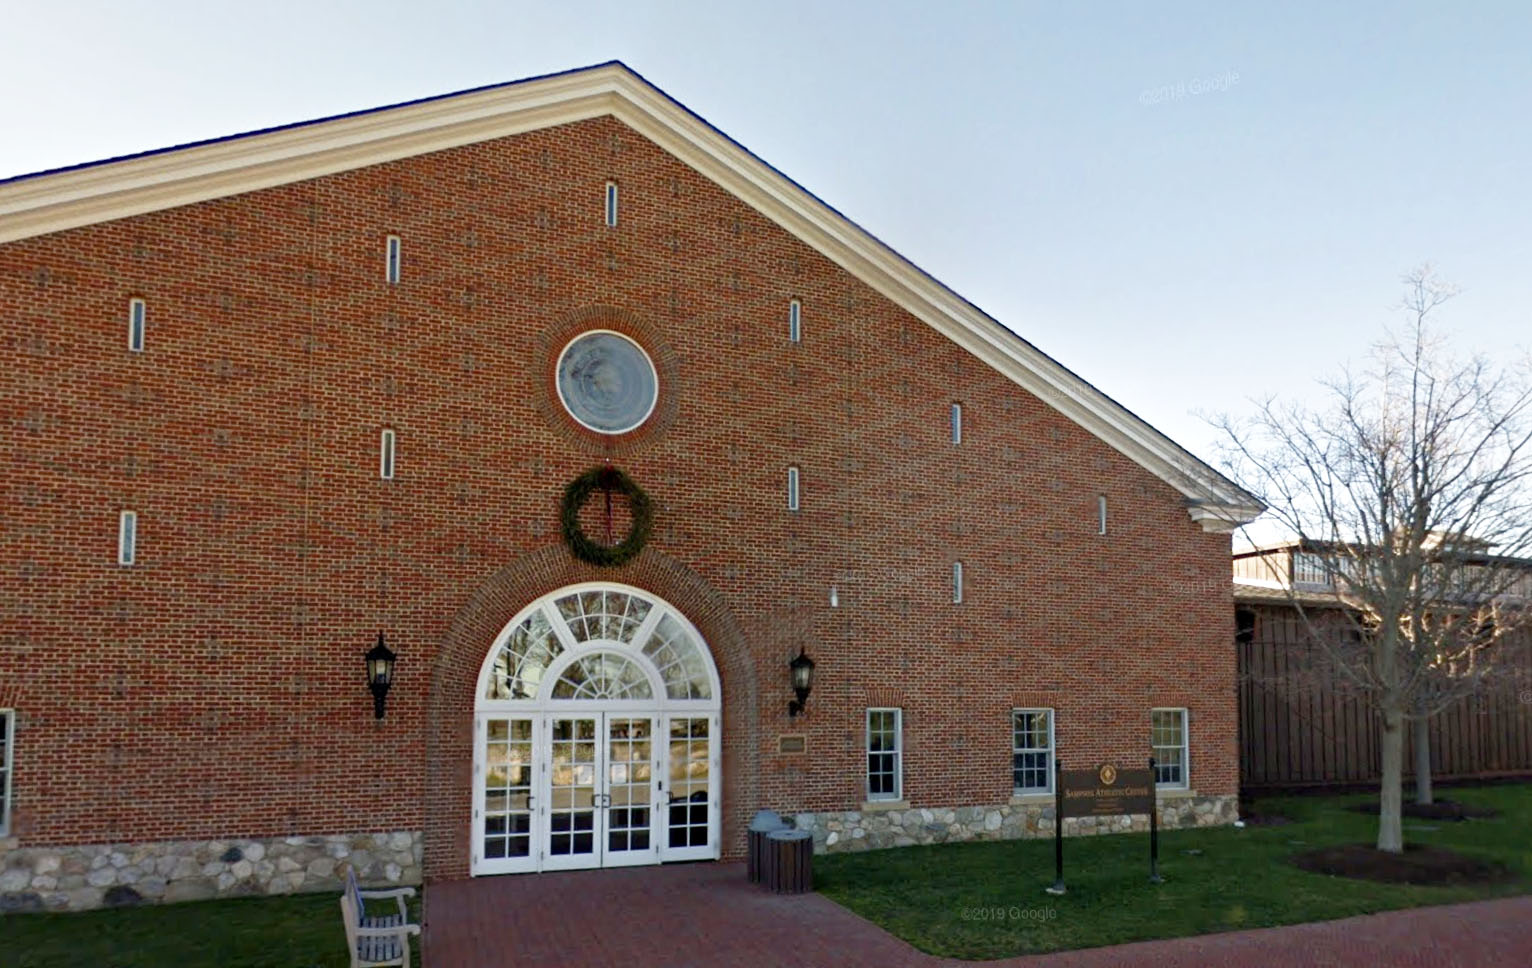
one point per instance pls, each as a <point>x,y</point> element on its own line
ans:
<point>601,614</point>
<point>603,675</point>
<point>617,636</point>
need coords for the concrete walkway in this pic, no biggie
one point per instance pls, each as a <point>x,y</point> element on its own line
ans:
<point>708,916</point>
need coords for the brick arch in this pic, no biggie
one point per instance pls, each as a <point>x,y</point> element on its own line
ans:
<point>455,675</point>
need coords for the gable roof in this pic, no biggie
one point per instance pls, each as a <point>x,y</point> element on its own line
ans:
<point>51,201</point>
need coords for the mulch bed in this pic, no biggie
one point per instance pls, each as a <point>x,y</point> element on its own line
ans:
<point>1440,810</point>
<point>1419,864</point>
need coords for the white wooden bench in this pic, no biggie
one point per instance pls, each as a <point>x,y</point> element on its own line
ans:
<point>378,939</point>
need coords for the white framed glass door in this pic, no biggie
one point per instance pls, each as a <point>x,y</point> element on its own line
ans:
<point>628,811</point>
<point>505,820</point>
<point>689,827</point>
<point>572,793</point>
<point>599,792</point>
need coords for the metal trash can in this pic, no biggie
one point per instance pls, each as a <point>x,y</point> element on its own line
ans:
<point>764,822</point>
<point>788,865</point>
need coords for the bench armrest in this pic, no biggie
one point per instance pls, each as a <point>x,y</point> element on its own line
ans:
<point>388,932</point>
<point>391,892</point>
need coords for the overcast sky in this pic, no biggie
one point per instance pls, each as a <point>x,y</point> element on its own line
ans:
<point>1187,204</point>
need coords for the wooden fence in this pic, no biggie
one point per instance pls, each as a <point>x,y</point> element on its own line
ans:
<point>1298,727</point>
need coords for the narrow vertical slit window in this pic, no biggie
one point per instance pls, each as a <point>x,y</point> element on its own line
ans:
<point>1101,514</point>
<point>957,423</point>
<point>795,322</point>
<point>7,743</point>
<point>391,258</point>
<point>386,455</point>
<point>792,488</point>
<point>127,538</point>
<point>957,583</point>
<point>136,318</point>
<point>611,203</point>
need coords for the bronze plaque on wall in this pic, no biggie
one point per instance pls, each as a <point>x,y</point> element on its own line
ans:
<point>1107,790</point>
<point>796,743</point>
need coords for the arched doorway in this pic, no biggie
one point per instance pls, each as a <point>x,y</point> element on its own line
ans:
<point>596,736</point>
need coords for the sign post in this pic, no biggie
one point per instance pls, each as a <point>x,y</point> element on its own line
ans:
<point>1154,828</point>
<point>1058,828</point>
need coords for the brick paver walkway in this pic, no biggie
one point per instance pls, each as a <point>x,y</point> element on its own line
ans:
<point>706,915</point>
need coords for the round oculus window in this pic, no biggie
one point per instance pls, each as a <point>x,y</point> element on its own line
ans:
<point>607,382</point>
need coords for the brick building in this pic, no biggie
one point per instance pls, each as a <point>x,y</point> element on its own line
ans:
<point>269,395</point>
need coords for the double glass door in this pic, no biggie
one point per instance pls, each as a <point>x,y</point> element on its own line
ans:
<point>599,789</point>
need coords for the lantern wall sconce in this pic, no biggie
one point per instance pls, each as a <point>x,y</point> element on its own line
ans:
<point>380,674</point>
<point>802,669</point>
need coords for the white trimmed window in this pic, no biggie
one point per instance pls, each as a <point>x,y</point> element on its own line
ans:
<point>884,751</point>
<point>137,312</point>
<point>1032,750</point>
<point>611,203</point>
<point>1310,569</point>
<point>391,259</point>
<point>795,322</point>
<point>792,488</point>
<point>7,742</point>
<point>1168,746</point>
<point>1101,514</point>
<point>127,537</point>
<point>957,423</point>
<point>386,455</point>
<point>957,583</point>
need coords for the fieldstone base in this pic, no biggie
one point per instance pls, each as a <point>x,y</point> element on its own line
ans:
<point>872,829</point>
<point>77,878</point>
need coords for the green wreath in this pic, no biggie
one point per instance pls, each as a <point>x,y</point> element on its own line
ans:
<point>608,479</point>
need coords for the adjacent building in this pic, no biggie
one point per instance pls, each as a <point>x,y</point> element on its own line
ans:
<point>1304,726</point>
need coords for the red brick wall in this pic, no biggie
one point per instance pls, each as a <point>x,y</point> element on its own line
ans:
<point>216,689</point>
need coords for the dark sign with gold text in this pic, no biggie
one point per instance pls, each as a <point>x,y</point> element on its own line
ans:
<point>1107,791</point>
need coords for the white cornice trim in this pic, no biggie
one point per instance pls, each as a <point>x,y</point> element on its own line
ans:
<point>69,199</point>
<point>133,186</point>
<point>1223,518</point>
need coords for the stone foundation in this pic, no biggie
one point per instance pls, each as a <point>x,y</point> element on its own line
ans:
<point>106,875</point>
<point>872,829</point>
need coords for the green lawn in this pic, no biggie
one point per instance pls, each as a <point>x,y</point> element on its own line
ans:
<point>986,900</point>
<point>981,900</point>
<point>300,931</point>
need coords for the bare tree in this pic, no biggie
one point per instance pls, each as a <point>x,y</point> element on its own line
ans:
<point>1411,485</point>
